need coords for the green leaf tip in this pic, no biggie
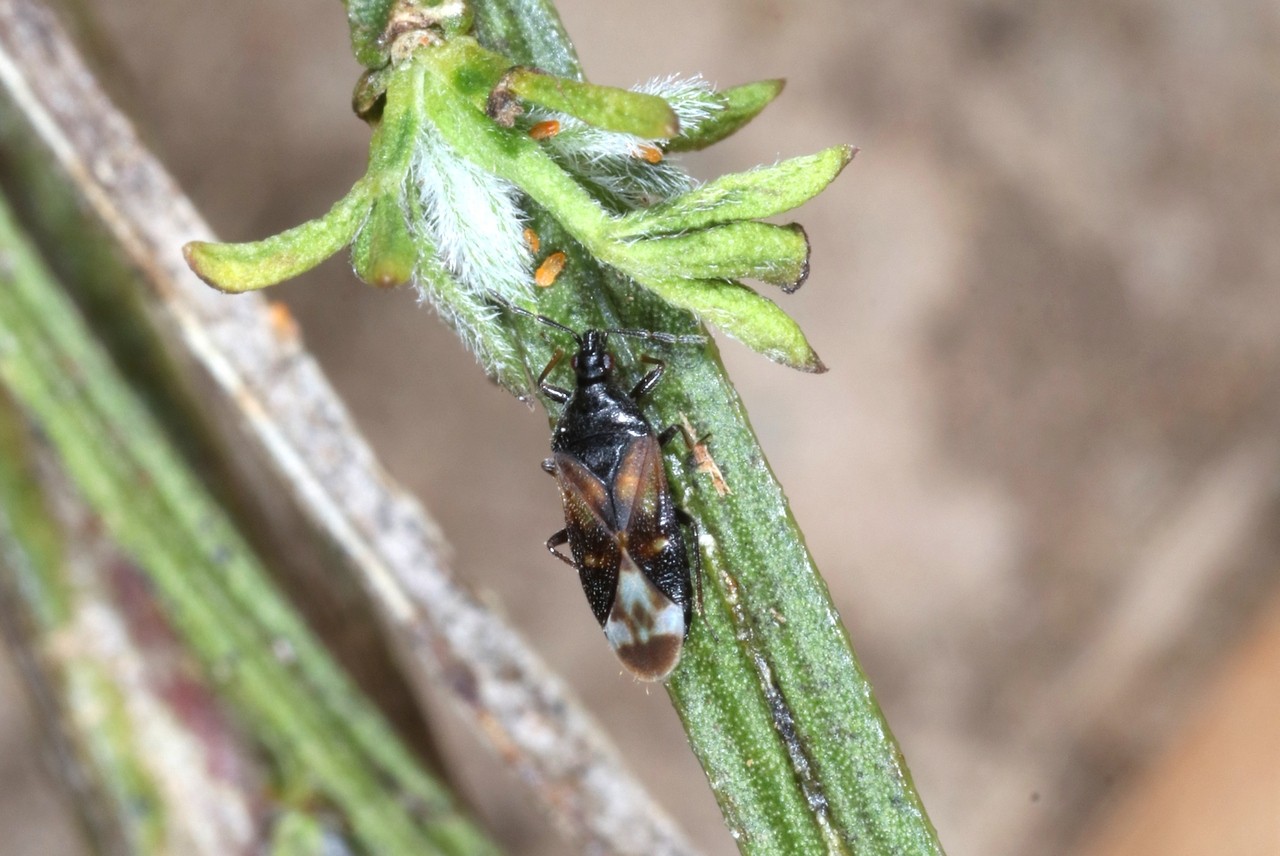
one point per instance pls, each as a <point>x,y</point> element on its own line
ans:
<point>383,254</point>
<point>739,105</point>
<point>609,108</point>
<point>778,255</point>
<point>751,195</point>
<point>237,268</point>
<point>753,320</point>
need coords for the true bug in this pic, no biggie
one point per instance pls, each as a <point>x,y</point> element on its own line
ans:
<point>622,526</point>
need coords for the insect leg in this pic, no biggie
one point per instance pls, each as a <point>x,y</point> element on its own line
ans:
<point>559,539</point>
<point>649,381</point>
<point>555,393</point>
<point>687,519</point>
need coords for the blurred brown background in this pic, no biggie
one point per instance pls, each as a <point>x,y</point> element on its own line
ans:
<point>1043,475</point>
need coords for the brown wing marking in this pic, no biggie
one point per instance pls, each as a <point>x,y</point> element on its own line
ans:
<point>576,479</point>
<point>645,627</point>
<point>638,489</point>
<point>592,541</point>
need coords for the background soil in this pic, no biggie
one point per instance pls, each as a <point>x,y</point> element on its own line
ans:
<point>1043,475</point>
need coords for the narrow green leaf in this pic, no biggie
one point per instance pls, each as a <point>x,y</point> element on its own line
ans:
<point>383,253</point>
<point>249,266</point>
<point>724,701</point>
<point>778,255</point>
<point>620,110</point>
<point>741,105</point>
<point>755,321</point>
<point>394,135</point>
<point>119,751</point>
<point>750,195</point>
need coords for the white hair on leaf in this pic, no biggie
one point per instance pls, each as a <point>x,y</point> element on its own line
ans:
<point>476,324</point>
<point>615,162</point>
<point>471,315</point>
<point>692,98</point>
<point>472,218</point>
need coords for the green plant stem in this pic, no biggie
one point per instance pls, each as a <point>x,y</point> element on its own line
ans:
<point>323,736</point>
<point>773,700</point>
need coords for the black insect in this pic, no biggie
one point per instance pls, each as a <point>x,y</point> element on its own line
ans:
<point>622,526</point>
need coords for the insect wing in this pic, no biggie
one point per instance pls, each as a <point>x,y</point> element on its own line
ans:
<point>645,627</point>
<point>595,548</point>
<point>645,516</point>
<point>648,621</point>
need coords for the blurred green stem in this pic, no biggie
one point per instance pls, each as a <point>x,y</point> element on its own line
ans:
<point>322,737</point>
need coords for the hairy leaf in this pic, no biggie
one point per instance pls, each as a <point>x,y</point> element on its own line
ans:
<point>778,255</point>
<point>383,253</point>
<point>258,264</point>
<point>750,195</point>
<point>620,110</point>
<point>755,321</point>
<point>740,104</point>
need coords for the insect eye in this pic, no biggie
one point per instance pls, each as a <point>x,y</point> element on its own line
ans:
<point>608,362</point>
<point>573,362</point>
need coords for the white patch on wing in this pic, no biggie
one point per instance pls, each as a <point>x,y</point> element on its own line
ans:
<point>645,628</point>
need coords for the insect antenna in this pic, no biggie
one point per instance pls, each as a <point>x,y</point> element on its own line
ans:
<point>659,336</point>
<point>648,335</point>
<point>520,310</point>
